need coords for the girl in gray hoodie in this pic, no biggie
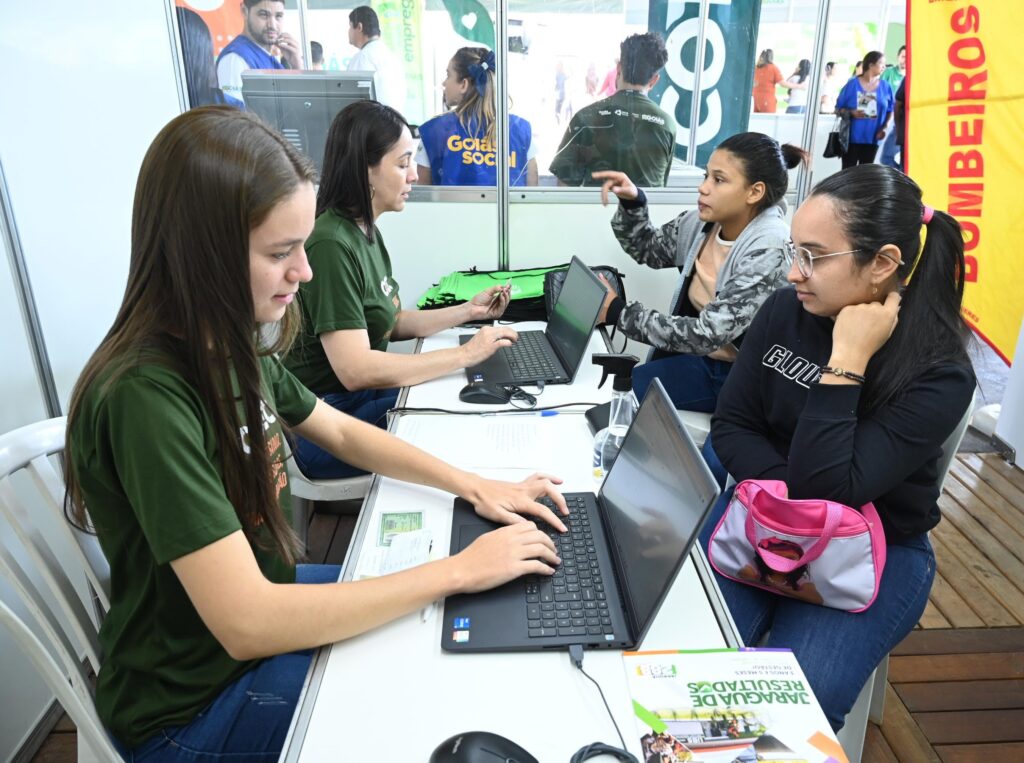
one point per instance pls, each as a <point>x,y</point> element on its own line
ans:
<point>731,255</point>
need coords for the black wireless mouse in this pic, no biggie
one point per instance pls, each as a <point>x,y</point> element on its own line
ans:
<point>480,747</point>
<point>485,393</point>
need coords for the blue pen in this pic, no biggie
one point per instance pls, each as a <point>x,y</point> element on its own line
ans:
<point>546,413</point>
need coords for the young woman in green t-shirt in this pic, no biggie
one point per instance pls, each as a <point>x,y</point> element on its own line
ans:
<point>175,454</point>
<point>352,309</point>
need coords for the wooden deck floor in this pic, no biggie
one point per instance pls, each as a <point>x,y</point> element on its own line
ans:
<point>956,684</point>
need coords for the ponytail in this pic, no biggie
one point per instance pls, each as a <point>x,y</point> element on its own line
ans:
<point>477,110</point>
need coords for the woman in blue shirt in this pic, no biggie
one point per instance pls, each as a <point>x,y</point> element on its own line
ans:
<point>868,100</point>
<point>459,146</point>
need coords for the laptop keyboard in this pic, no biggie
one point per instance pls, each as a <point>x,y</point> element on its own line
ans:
<point>572,602</point>
<point>529,357</point>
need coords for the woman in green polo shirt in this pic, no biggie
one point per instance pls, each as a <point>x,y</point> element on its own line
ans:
<point>352,309</point>
<point>175,452</point>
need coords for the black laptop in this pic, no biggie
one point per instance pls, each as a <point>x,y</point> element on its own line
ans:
<point>621,556</point>
<point>552,356</point>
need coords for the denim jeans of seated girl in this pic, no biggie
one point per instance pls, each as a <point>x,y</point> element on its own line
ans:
<point>249,720</point>
<point>837,650</point>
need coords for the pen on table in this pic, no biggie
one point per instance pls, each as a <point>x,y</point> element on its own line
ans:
<point>518,412</point>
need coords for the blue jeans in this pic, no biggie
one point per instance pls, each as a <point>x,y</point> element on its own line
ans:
<point>837,650</point>
<point>250,718</point>
<point>369,405</point>
<point>691,381</point>
<point>890,149</point>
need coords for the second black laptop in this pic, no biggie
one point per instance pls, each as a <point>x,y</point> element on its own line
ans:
<point>552,356</point>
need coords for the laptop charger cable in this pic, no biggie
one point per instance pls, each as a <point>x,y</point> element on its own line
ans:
<point>594,749</point>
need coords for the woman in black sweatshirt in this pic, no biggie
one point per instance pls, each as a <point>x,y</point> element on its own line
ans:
<point>846,387</point>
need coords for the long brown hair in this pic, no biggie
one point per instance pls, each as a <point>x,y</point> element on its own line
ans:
<point>210,177</point>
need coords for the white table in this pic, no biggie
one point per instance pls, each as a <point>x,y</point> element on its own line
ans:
<point>394,689</point>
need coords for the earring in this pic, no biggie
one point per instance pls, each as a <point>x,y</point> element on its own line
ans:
<point>372,191</point>
<point>874,290</point>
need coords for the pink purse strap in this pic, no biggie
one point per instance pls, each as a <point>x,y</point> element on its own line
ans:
<point>833,516</point>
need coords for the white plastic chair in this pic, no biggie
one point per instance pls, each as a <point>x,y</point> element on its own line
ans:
<point>75,593</point>
<point>697,424</point>
<point>306,491</point>
<point>870,704</point>
<point>93,743</point>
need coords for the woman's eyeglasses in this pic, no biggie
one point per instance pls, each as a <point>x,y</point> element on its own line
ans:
<point>805,260</point>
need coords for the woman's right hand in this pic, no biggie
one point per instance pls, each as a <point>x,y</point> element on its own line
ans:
<point>616,182</point>
<point>505,554</point>
<point>487,341</point>
<point>861,330</point>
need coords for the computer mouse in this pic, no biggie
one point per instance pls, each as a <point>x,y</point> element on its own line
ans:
<point>480,747</point>
<point>486,393</point>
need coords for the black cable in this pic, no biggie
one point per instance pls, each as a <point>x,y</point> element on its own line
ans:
<point>598,748</point>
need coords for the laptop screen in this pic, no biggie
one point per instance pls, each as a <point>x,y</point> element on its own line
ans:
<point>655,498</point>
<point>574,314</point>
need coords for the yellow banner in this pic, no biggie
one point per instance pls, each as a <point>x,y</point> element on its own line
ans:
<point>965,141</point>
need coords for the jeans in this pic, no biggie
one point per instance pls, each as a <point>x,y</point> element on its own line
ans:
<point>837,650</point>
<point>249,720</point>
<point>889,150</point>
<point>369,405</point>
<point>691,381</point>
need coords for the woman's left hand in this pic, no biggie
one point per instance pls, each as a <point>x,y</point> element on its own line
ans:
<point>880,134</point>
<point>491,303</point>
<point>510,502</point>
<point>861,330</point>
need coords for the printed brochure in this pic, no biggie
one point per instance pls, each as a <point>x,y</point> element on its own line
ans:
<point>727,705</point>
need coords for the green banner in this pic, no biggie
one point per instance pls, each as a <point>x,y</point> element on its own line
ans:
<point>728,75</point>
<point>401,30</point>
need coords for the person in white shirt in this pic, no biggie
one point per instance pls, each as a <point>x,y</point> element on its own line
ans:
<point>373,55</point>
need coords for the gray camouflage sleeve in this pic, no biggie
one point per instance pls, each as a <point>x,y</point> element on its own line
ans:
<point>754,278</point>
<point>648,245</point>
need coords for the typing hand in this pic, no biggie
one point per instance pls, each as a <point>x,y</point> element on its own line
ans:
<point>490,303</point>
<point>616,182</point>
<point>503,555</point>
<point>513,502</point>
<point>487,341</point>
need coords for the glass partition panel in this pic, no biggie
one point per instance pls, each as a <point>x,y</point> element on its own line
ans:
<point>857,28</point>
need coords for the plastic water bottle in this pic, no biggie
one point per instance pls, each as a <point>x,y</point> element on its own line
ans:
<point>608,441</point>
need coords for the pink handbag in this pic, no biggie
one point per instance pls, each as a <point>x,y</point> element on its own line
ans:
<point>817,551</point>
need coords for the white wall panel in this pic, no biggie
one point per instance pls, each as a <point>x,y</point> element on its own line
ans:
<point>89,88</point>
<point>83,91</point>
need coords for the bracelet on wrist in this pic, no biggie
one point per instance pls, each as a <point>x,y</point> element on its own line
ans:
<point>843,374</point>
